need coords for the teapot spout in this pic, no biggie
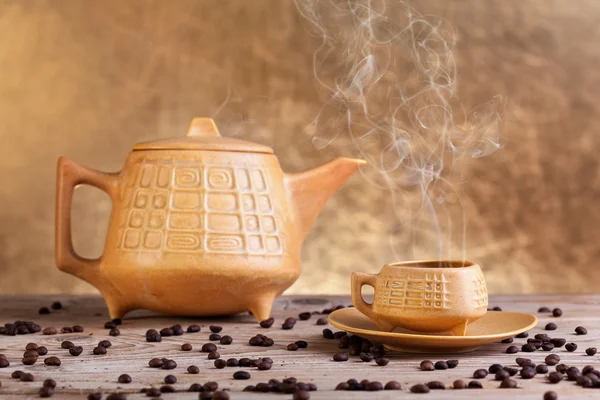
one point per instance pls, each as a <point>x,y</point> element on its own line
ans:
<point>310,190</point>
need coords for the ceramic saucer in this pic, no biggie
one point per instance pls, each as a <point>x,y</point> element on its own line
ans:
<point>491,328</point>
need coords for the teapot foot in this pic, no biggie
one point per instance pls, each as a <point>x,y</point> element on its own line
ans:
<point>116,309</point>
<point>460,329</point>
<point>261,308</point>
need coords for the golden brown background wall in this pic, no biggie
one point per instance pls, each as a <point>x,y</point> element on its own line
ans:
<point>88,79</point>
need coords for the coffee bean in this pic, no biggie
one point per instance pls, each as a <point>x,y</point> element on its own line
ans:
<point>268,342</point>
<point>222,395</point>
<point>301,395</point>
<point>241,375</point>
<point>77,328</point>
<point>26,377</point>
<point>558,342</point>
<point>550,326</point>
<point>178,331</point>
<point>110,325</point>
<point>44,310</point>
<point>292,347</point>
<point>211,386</point>
<point>550,396</point>
<point>562,368</point>
<point>304,316</point>
<point>322,321</point>
<point>495,368</point>
<point>192,369</point>
<point>585,382</point>
<point>46,392</point>
<point>57,305</point>
<point>436,385</point>
<point>366,357</point>
<point>522,335</point>
<point>580,330</point>
<point>220,363</point>
<point>552,359</point>
<point>4,363</point>
<point>215,328</point>
<point>340,357</point>
<point>214,337</point>
<point>186,347</point>
<point>193,328</point>
<point>501,375</point>
<point>114,332</point>
<point>41,351</point>
<point>124,378</point>
<point>232,362</point>
<point>441,365</point>
<point>573,373</point>
<point>557,312</point>
<point>507,340</point>
<point>419,388</point>
<point>528,373</point>
<point>528,348</point>
<point>16,374</point>
<point>459,384</point>
<point>51,383</point>
<point>480,374</point>
<point>508,384</point>
<point>511,371</point>
<point>213,355</point>
<point>169,364</point>
<point>167,389</point>
<point>590,351</point>
<point>541,369</point>
<point>49,331</point>
<point>166,332</point>
<point>544,310</point>
<point>170,379</point>
<point>571,347</point>
<point>287,326</point>
<point>547,347</point>
<point>392,385</point>
<point>53,361</point>
<point>226,340</point>
<point>328,334</point>
<point>94,396</point>
<point>153,338</point>
<point>155,363</point>
<point>475,385</point>
<point>99,350</point>
<point>105,343</point>
<point>30,353</point>
<point>452,363</point>
<point>153,392</point>
<point>555,377</point>
<point>31,346</point>
<point>302,344</point>
<point>209,347</point>
<point>76,350</point>
<point>512,349</point>
<point>264,366</point>
<point>29,360</point>
<point>342,386</point>
<point>382,361</point>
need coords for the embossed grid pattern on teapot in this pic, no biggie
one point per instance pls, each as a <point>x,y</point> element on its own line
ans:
<point>194,206</point>
<point>480,290</point>
<point>422,291</point>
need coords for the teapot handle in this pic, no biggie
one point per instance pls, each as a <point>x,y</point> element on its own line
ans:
<point>359,279</point>
<point>69,175</point>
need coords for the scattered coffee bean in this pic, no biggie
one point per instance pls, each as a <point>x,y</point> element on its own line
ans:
<point>550,326</point>
<point>44,310</point>
<point>511,371</point>
<point>215,328</point>
<point>548,347</point>
<point>427,365</point>
<point>241,375</point>
<point>264,366</point>
<point>573,373</point>
<point>99,350</point>
<point>328,334</point>
<point>105,343</point>
<point>167,389</point>
<point>16,374</point>
<point>480,374</point>
<point>590,351</point>
<point>26,377</point>
<point>340,357</point>
<point>186,347</point>
<point>436,385</point>
<point>552,359</point>
<point>124,378</point>
<point>562,368</point>
<point>495,368</point>
<point>508,384</point>
<point>213,355</point>
<point>419,388</point>
<point>382,361</point>
<point>459,384</point>
<point>557,312</point>
<point>571,347</point>
<point>522,335</point>
<point>4,363</point>
<point>528,373</point>
<point>292,347</point>
<point>76,350</point>
<point>77,328</point>
<point>192,369</point>
<point>193,328</point>
<point>267,323</point>
<point>392,385</point>
<point>302,344</point>
<point>322,321</point>
<point>46,392</point>
<point>222,395</point>
<point>214,337</point>
<point>512,349</point>
<point>232,362</point>
<point>366,357</point>
<point>153,392</point>
<point>528,348</point>
<point>166,332</point>
<point>501,375</point>
<point>452,363</point>
<point>304,316</point>
<point>301,395</point>
<point>550,396</point>
<point>110,325</point>
<point>580,330</point>
<point>342,386</point>
<point>220,363</point>
<point>211,386</point>
<point>57,305</point>
<point>169,364</point>
<point>373,386</point>
<point>475,385</point>
<point>585,382</point>
<point>49,331</point>
<point>226,340</point>
<point>287,326</point>
<point>53,361</point>
<point>42,351</point>
<point>209,347</point>
<point>170,379</point>
<point>440,365</point>
<point>30,353</point>
<point>31,346</point>
<point>558,342</point>
<point>555,377</point>
<point>507,340</point>
<point>153,338</point>
<point>544,310</point>
<point>541,369</point>
<point>155,363</point>
<point>51,383</point>
<point>114,332</point>
<point>94,396</point>
<point>29,360</point>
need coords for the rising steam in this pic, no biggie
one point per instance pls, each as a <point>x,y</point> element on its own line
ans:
<point>388,80</point>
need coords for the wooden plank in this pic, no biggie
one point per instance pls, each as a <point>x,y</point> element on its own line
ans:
<point>130,353</point>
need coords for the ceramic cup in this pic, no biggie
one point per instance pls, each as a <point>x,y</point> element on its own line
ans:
<point>424,296</point>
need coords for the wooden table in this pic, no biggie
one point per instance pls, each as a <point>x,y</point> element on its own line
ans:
<point>130,353</point>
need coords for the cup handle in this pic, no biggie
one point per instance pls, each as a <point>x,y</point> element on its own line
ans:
<point>69,175</point>
<point>358,280</point>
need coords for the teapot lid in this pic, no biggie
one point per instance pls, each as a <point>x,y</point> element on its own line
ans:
<point>204,135</point>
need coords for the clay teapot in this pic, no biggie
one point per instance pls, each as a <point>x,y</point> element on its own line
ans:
<point>200,225</point>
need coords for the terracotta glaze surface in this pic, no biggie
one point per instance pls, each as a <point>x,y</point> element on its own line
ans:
<point>200,225</point>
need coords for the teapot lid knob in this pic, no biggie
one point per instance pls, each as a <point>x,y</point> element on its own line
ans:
<point>202,127</point>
